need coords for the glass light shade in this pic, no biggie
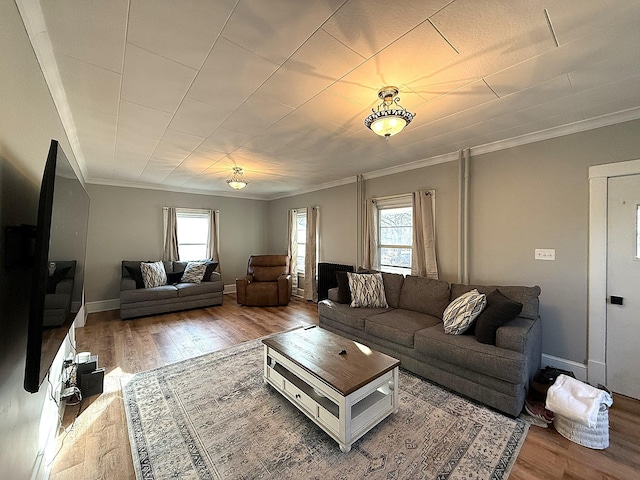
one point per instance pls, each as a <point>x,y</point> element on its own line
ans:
<point>237,180</point>
<point>389,117</point>
<point>388,125</point>
<point>237,184</point>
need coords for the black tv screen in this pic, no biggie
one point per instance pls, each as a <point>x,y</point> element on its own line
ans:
<point>59,259</point>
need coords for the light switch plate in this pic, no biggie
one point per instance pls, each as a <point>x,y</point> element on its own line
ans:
<point>545,254</point>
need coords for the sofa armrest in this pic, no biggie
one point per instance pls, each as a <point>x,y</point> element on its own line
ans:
<point>127,283</point>
<point>285,286</point>
<point>215,277</point>
<point>241,288</point>
<point>64,286</point>
<point>524,336</point>
<point>333,294</point>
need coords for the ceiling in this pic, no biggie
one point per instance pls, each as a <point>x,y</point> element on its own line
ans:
<point>172,95</point>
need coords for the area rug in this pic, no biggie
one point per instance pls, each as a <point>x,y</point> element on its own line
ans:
<point>213,417</point>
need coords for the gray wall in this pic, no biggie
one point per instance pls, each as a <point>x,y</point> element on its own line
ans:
<point>28,121</point>
<point>522,198</point>
<point>126,224</point>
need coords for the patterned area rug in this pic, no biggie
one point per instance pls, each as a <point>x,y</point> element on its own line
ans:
<point>213,417</point>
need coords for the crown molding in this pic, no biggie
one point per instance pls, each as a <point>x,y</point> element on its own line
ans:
<point>323,186</point>
<point>168,188</point>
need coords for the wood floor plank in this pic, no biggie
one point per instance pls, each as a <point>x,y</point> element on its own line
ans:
<point>98,445</point>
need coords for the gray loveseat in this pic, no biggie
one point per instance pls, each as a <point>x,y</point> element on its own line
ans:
<point>136,301</point>
<point>411,329</point>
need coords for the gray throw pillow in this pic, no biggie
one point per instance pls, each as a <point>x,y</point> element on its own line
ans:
<point>499,311</point>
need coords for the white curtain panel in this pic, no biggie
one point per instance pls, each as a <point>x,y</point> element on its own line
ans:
<point>292,247</point>
<point>370,237</point>
<point>310,263</point>
<point>213,245</point>
<point>423,260</point>
<point>170,234</point>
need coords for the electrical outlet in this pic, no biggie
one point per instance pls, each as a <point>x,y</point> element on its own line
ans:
<point>545,254</point>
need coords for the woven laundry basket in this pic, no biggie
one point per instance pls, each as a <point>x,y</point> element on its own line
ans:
<point>596,438</point>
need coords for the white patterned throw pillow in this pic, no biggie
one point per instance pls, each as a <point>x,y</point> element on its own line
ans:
<point>193,272</point>
<point>463,311</point>
<point>153,274</point>
<point>367,290</point>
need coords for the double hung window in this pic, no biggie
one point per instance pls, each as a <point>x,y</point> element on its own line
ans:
<point>395,235</point>
<point>301,230</point>
<point>193,228</point>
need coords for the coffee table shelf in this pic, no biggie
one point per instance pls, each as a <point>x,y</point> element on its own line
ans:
<point>345,413</point>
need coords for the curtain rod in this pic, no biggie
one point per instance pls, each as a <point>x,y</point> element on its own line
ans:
<point>392,197</point>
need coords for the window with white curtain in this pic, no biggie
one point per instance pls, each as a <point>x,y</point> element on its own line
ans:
<point>301,227</point>
<point>193,234</point>
<point>395,238</point>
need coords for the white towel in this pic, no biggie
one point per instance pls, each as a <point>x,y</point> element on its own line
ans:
<point>576,400</point>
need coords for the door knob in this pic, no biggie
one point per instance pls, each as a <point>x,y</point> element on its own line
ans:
<point>616,300</point>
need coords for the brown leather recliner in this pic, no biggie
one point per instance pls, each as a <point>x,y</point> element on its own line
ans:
<point>268,282</point>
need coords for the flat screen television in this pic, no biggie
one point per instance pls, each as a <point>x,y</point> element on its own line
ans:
<point>58,264</point>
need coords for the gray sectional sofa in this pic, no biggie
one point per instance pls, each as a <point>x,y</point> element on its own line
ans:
<point>137,301</point>
<point>411,329</point>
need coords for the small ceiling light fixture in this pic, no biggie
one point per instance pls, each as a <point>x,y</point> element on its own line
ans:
<point>389,117</point>
<point>237,180</point>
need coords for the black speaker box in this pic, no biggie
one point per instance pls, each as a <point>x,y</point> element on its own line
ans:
<point>92,383</point>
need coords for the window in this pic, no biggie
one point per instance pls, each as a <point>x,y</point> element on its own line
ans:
<point>301,227</point>
<point>395,234</point>
<point>193,234</point>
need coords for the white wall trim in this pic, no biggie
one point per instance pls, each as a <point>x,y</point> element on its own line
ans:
<point>579,369</point>
<point>103,305</point>
<point>231,288</point>
<point>597,278</point>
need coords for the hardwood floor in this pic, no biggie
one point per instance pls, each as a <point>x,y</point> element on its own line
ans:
<point>94,443</point>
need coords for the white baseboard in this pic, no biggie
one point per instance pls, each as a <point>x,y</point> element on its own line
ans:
<point>597,372</point>
<point>103,305</point>
<point>579,369</point>
<point>229,288</point>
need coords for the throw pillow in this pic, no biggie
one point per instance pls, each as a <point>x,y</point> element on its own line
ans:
<point>56,278</point>
<point>344,294</point>
<point>499,311</point>
<point>367,290</point>
<point>136,274</point>
<point>463,311</point>
<point>193,272</point>
<point>153,274</point>
<point>174,278</point>
<point>210,268</point>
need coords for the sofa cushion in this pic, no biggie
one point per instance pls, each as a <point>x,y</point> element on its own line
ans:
<point>153,274</point>
<point>392,288</point>
<point>527,296</point>
<point>367,290</point>
<point>190,289</point>
<point>463,311</point>
<point>464,351</point>
<point>399,325</point>
<point>193,272</point>
<point>148,294</point>
<point>422,294</point>
<point>344,314</point>
<point>500,310</point>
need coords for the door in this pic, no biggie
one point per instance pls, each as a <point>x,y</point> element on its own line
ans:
<point>623,285</point>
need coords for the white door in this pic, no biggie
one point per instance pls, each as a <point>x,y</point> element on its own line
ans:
<point>623,285</point>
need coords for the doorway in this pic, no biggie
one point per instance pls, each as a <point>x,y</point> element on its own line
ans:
<point>599,300</point>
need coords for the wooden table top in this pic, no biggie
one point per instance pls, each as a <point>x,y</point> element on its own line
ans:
<point>319,352</point>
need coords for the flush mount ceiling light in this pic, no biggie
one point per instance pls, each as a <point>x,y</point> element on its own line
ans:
<point>389,117</point>
<point>237,180</point>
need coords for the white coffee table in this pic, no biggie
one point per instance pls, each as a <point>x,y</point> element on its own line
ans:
<point>343,386</point>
